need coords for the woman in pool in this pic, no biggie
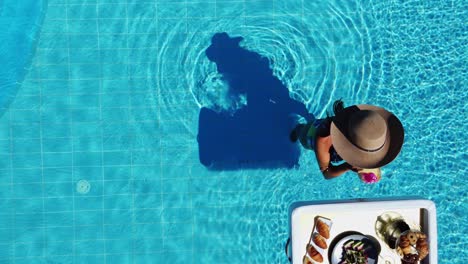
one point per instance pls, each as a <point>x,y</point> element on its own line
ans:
<point>357,137</point>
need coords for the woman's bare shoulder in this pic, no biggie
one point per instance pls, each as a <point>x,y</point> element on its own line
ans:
<point>324,141</point>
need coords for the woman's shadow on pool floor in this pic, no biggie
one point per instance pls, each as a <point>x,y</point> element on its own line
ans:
<point>257,135</point>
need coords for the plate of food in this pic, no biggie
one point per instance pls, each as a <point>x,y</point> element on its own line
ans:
<point>352,247</point>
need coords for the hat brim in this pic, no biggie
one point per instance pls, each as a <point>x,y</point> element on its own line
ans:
<point>361,158</point>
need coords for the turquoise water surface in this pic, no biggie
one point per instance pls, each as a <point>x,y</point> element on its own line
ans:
<point>99,157</point>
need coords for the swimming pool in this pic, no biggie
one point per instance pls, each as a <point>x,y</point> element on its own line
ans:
<point>99,153</point>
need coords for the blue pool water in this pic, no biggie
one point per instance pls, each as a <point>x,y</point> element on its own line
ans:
<point>99,157</point>
<point>19,25</point>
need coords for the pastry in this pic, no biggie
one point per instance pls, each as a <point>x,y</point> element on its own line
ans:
<point>422,243</point>
<point>422,247</point>
<point>423,254</point>
<point>404,241</point>
<point>320,241</point>
<point>306,260</point>
<point>314,254</point>
<point>420,235</point>
<point>399,251</point>
<point>410,259</point>
<point>412,237</point>
<point>323,229</point>
<point>407,250</point>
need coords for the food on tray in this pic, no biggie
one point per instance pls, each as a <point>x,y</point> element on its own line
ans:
<point>410,259</point>
<point>320,241</point>
<point>306,260</point>
<point>408,250</point>
<point>412,237</point>
<point>413,247</point>
<point>323,229</point>
<point>352,247</point>
<point>422,247</point>
<point>355,252</point>
<point>404,242</point>
<point>317,243</point>
<point>314,254</point>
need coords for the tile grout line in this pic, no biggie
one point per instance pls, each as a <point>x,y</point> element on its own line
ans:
<point>274,29</point>
<point>132,181</point>
<point>302,21</point>
<point>177,18</point>
<point>101,130</point>
<point>129,194</point>
<point>12,186</point>
<point>191,204</point>
<point>249,193</point>
<point>97,254</point>
<point>161,182</point>
<point>44,233</point>
<point>216,9</point>
<point>67,27</point>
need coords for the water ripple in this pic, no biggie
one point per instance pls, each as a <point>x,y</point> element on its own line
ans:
<point>318,59</point>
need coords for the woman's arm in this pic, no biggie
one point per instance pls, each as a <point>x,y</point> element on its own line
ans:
<point>335,171</point>
<point>322,148</point>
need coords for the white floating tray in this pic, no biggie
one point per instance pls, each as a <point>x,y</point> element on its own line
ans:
<point>361,215</point>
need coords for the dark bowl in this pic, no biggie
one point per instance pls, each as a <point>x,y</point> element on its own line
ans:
<point>368,239</point>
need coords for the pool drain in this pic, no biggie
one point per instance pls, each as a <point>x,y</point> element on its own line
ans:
<point>83,187</point>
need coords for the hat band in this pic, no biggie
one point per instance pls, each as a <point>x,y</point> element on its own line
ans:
<point>371,150</point>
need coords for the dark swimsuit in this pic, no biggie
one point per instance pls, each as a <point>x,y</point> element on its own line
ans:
<point>319,127</point>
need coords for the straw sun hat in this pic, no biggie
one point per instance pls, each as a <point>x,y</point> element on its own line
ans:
<point>366,136</point>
